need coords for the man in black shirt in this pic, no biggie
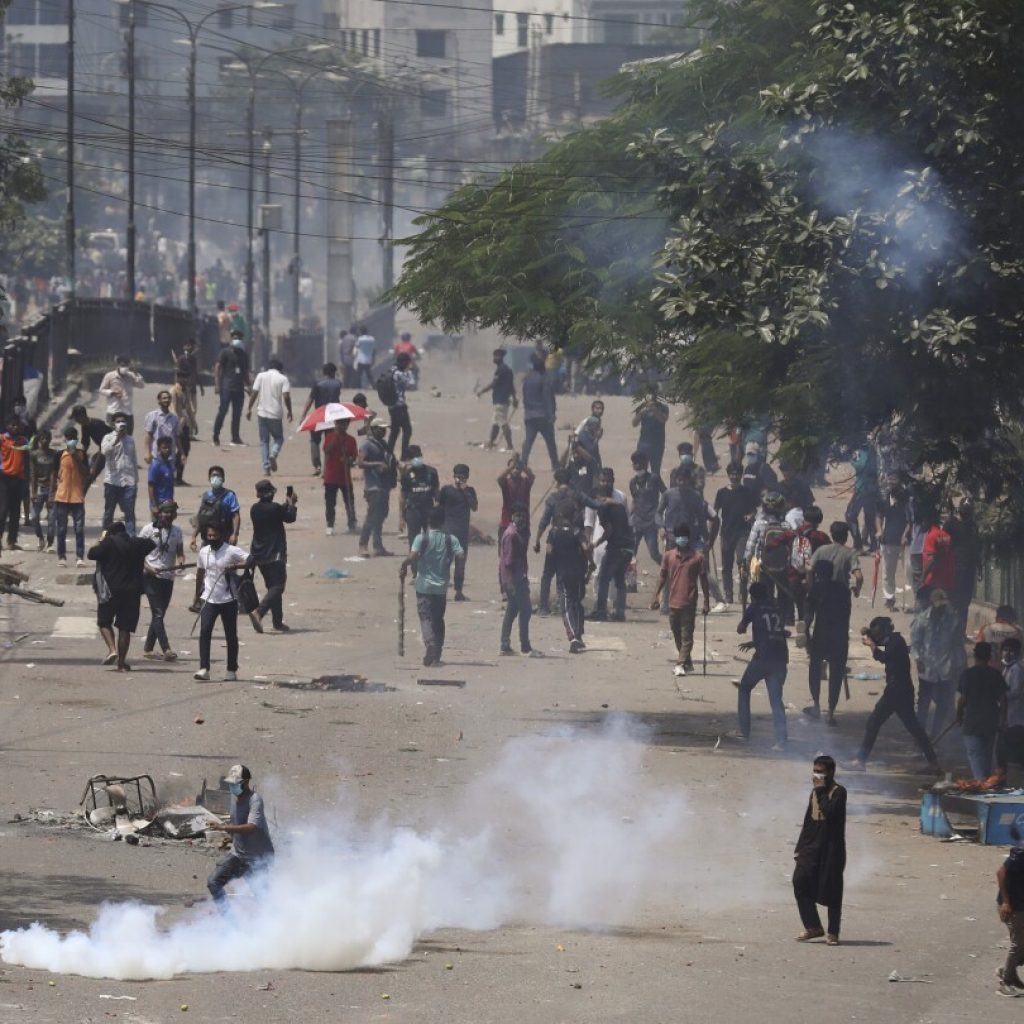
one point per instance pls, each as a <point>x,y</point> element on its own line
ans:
<point>981,709</point>
<point>651,416</point>
<point>323,392</point>
<point>503,394</point>
<point>119,582</point>
<point>646,489</point>
<point>618,540</point>
<point>568,554</point>
<point>827,609</point>
<point>269,550</point>
<point>231,381</point>
<point>539,411</point>
<point>458,500</point>
<point>562,493</point>
<point>888,647</point>
<point>736,506</point>
<point>793,488</point>
<point>418,493</point>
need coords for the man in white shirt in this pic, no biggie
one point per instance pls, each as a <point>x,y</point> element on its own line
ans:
<point>271,394</point>
<point>118,387</point>
<point>366,350</point>
<point>158,578</point>
<point>120,474</point>
<point>215,574</point>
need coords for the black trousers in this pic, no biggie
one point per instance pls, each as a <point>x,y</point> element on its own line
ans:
<point>461,534</point>
<point>400,424</point>
<point>1010,746</point>
<point>810,918</point>
<point>570,596</point>
<point>833,650</point>
<point>902,706</point>
<point>12,489</point>
<point>546,428</point>
<point>228,615</point>
<point>275,576</point>
<point>517,606</point>
<point>158,592</point>
<point>732,554</point>
<point>546,577</point>
<point>331,503</point>
<point>415,521</point>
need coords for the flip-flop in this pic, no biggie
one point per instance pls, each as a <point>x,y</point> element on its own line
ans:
<point>110,659</point>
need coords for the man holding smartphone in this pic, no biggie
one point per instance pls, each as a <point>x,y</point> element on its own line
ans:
<point>269,550</point>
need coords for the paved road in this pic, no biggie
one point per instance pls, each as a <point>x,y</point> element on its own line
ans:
<point>696,833</point>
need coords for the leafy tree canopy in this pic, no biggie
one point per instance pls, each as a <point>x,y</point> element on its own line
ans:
<point>814,218</point>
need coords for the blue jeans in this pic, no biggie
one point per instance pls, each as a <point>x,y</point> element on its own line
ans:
<point>942,694</point>
<point>979,755</point>
<point>123,498</point>
<point>774,676</point>
<point>39,502</point>
<point>61,511</point>
<point>546,428</point>
<point>271,440</point>
<point>233,400</point>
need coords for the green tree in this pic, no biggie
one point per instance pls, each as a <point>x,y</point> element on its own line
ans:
<point>827,221</point>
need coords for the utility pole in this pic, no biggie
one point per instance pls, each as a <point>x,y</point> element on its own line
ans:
<point>340,306</point>
<point>297,213</point>
<point>250,269</point>
<point>130,232</point>
<point>268,145</point>
<point>386,170</point>
<point>59,352</point>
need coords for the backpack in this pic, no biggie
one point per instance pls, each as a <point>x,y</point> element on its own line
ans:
<point>212,512</point>
<point>775,548</point>
<point>387,390</point>
<point>803,549</point>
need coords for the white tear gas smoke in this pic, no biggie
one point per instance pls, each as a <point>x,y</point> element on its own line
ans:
<point>567,830</point>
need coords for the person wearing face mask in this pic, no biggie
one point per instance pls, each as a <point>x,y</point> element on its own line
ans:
<point>419,489</point>
<point>120,474</point>
<point>515,582</point>
<point>936,636</point>
<point>251,845</point>
<point>158,579</point>
<point>118,387</point>
<point>820,854</point>
<point>215,578</point>
<point>757,474</point>
<point>980,710</point>
<point>69,498</point>
<point>1010,740</point>
<point>681,569</point>
<point>217,507</point>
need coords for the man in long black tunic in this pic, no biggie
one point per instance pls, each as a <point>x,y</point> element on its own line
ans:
<point>820,855</point>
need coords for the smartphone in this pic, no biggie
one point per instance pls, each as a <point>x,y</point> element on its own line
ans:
<point>289,490</point>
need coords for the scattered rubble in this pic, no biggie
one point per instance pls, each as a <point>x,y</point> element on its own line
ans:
<point>339,684</point>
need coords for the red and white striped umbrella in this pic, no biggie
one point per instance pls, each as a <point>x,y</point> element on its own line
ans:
<point>325,416</point>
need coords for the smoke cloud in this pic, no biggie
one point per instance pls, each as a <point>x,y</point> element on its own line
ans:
<point>566,829</point>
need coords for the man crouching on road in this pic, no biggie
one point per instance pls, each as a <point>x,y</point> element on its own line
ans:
<point>250,836</point>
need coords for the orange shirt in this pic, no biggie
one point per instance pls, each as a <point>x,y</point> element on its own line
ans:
<point>71,476</point>
<point>13,461</point>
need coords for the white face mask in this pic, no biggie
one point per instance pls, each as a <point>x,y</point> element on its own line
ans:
<point>417,461</point>
<point>71,443</point>
<point>216,482</point>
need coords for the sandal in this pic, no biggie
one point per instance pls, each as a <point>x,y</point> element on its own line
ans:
<point>810,933</point>
<point>831,940</point>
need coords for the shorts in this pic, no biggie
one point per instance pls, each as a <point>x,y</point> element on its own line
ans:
<point>120,612</point>
<point>500,414</point>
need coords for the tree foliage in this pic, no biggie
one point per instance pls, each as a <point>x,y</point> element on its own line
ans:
<point>814,218</point>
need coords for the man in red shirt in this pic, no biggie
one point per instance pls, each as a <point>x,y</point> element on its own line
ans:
<point>340,453</point>
<point>938,563</point>
<point>515,483</point>
<point>13,478</point>
<point>681,568</point>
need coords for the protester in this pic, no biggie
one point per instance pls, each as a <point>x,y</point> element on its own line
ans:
<point>347,358</point>
<point>401,378</point>
<point>14,474</point>
<point>793,488</point>
<point>69,498</point>
<point>515,483</point>
<point>704,436</point>
<point>218,507</point>
<point>617,540</point>
<point>865,498</point>
<point>503,394</point>
<point>119,562</point>
<point>559,495</point>
<point>120,474</point>
<point>1005,627</point>
<point>458,500</point>
<point>340,455</point>
<point>118,388</point>
<point>592,523</point>
<point>682,568</point>
<point>585,455</point>
<point>433,552</point>
<point>380,476</point>
<point>820,854</point>
<point>938,562</point>
<point>650,416</point>
<point>515,582</point>
<point>758,476</point>
<point>93,429</point>
<point>539,411</point>
<point>43,462</point>
<point>325,391</point>
<point>215,579</point>
<point>269,551</point>
<point>889,647</point>
<point>936,636</point>
<point>251,846</point>
<point>161,422</point>
<point>417,493</point>
<point>187,375</point>
<point>230,382</point>
<point>271,395</point>
<point>646,490</point>
<point>160,478</point>
<point>736,507</point>
<point>894,520</point>
<point>769,662</point>
<point>963,531</point>
<point>1010,741</point>
<point>827,614</point>
<point>845,564</point>
<point>980,710</point>
<point>1010,900</point>
<point>568,553</point>
<point>167,555</point>
<point>181,406</point>
<point>807,539</point>
<point>366,352</point>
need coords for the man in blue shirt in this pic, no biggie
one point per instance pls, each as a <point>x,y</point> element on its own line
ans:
<point>770,660</point>
<point>161,475</point>
<point>251,845</point>
<point>539,411</point>
<point>431,559</point>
